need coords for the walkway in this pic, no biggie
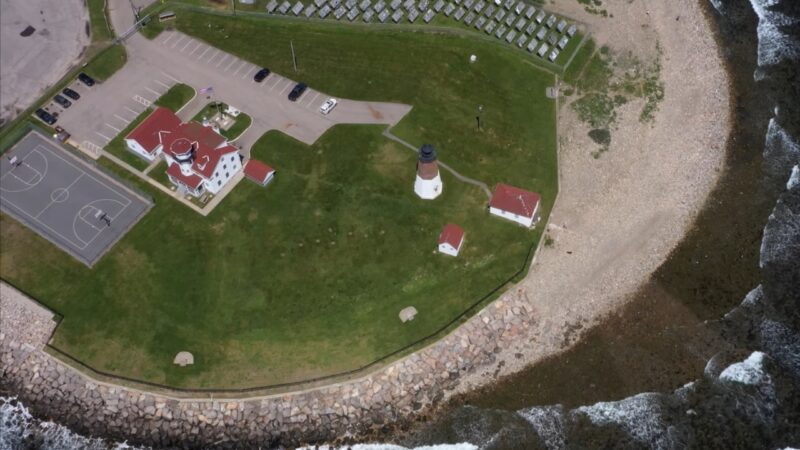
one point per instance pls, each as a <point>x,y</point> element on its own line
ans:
<point>446,167</point>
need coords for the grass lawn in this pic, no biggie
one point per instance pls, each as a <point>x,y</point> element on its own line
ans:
<point>306,276</point>
<point>176,97</point>
<point>107,62</point>
<point>117,145</point>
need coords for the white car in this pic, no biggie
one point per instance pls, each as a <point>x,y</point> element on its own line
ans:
<point>328,106</point>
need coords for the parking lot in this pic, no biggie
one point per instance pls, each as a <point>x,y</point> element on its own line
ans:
<point>67,201</point>
<point>105,109</point>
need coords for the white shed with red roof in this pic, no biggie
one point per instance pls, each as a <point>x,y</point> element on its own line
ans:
<point>451,239</point>
<point>515,204</point>
<point>258,172</point>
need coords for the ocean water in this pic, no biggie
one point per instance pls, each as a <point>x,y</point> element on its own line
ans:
<point>747,399</point>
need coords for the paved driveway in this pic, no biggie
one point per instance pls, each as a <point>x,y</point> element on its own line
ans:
<point>173,57</point>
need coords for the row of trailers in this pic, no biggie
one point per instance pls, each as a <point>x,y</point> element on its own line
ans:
<point>512,20</point>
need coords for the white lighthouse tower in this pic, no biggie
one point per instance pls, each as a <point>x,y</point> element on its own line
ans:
<point>428,184</point>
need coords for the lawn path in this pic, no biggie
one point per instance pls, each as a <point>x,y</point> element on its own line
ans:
<point>467,180</point>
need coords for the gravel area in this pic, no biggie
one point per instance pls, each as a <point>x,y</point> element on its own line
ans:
<point>618,217</point>
<point>22,320</point>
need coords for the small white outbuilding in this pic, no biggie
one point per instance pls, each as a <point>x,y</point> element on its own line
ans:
<point>451,239</point>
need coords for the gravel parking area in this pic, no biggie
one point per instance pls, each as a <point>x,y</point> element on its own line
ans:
<point>39,41</point>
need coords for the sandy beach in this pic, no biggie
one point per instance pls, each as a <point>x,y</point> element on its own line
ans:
<point>618,216</point>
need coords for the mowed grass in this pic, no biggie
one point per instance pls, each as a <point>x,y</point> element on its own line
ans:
<point>306,277</point>
<point>177,96</point>
<point>430,71</point>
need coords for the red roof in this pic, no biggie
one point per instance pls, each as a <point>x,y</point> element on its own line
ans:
<point>191,181</point>
<point>257,170</point>
<point>514,200</point>
<point>205,142</point>
<point>451,234</point>
<point>154,128</point>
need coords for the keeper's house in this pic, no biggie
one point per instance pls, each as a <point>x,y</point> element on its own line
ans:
<point>451,239</point>
<point>198,158</point>
<point>515,204</point>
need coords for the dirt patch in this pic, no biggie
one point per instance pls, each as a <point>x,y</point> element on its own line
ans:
<point>377,115</point>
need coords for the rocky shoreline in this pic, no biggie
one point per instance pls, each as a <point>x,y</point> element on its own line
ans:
<point>391,396</point>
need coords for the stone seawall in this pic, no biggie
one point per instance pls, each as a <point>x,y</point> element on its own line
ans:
<point>388,396</point>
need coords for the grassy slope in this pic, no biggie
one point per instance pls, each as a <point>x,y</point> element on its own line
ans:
<point>175,97</point>
<point>248,289</point>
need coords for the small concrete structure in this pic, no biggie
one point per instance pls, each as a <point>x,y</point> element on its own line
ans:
<point>407,314</point>
<point>183,359</point>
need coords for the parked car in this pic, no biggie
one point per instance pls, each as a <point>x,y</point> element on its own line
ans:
<point>45,116</point>
<point>71,94</point>
<point>328,105</point>
<point>297,91</point>
<point>261,74</point>
<point>62,101</point>
<point>86,79</point>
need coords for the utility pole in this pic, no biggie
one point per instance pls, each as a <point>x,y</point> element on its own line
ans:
<point>233,3</point>
<point>294,60</point>
<point>478,117</point>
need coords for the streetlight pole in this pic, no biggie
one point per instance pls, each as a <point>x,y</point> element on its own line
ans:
<point>294,60</point>
<point>478,117</point>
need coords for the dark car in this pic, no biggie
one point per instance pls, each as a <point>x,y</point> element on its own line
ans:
<point>62,101</point>
<point>297,91</point>
<point>86,79</point>
<point>71,94</point>
<point>45,116</point>
<point>260,75</point>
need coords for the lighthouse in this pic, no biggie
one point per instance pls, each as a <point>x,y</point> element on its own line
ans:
<point>428,184</point>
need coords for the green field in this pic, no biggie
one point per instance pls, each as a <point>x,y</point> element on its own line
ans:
<point>306,277</point>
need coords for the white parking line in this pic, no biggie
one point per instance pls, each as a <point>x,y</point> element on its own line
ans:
<point>163,84</point>
<point>177,42</point>
<point>199,44</point>
<point>229,65</point>
<point>204,52</point>
<point>113,128</point>
<point>151,90</point>
<point>279,79</point>
<point>223,59</point>
<point>247,72</point>
<point>244,63</point>
<point>187,44</point>
<point>103,136</point>
<point>287,85</point>
<point>313,99</point>
<point>169,36</point>
<point>170,77</point>
<point>216,52</point>
<point>133,111</point>
<point>124,120</point>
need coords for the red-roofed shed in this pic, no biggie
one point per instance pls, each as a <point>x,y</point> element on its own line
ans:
<point>258,172</point>
<point>515,204</point>
<point>450,239</point>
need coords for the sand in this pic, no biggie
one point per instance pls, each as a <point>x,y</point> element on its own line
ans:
<point>618,217</point>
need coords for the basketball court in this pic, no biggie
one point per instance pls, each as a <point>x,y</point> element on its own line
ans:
<point>66,200</point>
